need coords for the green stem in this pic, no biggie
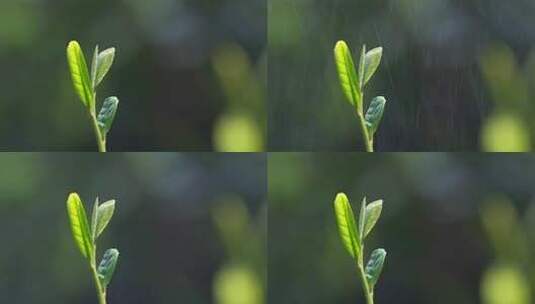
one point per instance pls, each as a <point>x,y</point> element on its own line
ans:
<point>368,293</point>
<point>101,292</point>
<point>368,141</point>
<point>101,140</point>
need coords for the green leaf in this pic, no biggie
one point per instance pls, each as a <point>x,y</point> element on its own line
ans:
<point>375,266</point>
<point>373,212</point>
<point>94,218</point>
<point>371,63</point>
<point>347,73</point>
<point>104,63</point>
<point>362,218</point>
<point>362,63</point>
<point>107,114</point>
<point>104,215</point>
<point>93,68</point>
<point>346,225</point>
<point>374,114</point>
<point>106,268</point>
<point>79,226</point>
<point>80,74</point>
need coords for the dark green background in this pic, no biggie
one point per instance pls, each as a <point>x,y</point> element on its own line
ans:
<point>171,249</point>
<point>448,67</point>
<point>164,74</point>
<point>431,225</point>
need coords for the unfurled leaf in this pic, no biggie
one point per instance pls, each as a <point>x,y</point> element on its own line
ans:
<point>106,268</point>
<point>79,226</point>
<point>107,114</point>
<point>104,63</point>
<point>347,227</point>
<point>79,73</point>
<point>347,74</point>
<point>375,266</point>
<point>362,63</point>
<point>374,114</point>
<point>373,212</point>
<point>104,215</point>
<point>371,63</point>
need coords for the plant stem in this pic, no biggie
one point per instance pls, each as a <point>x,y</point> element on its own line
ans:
<point>368,142</point>
<point>101,141</point>
<point>101,291</point>
<point>365,287</point>
<point>368,293</point>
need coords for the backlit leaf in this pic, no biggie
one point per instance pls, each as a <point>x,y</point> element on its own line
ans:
<point>362,65</point>
<point>371,63</point>
<point>347,227</point>
<point>79,73</point>
<point>362,218</point>
<point>375,266</point>
<point>107,114</point>
<point>347,73</point>
<point>79,226</point>
<point>94,218</point>
<point>374,114</point>
<point>104,215</point>
<point>107,265</point>
<point>94,64</point>
<point>373,212</point>
<point>104,63</point>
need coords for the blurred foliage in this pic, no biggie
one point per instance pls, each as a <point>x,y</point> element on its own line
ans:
<point>172,96</point>
<point>458,75</point>
<point>511,277</point>
<point>509,128</point>
<point>505,285</point>
<point>242,127</point>
<point>459,228</point>
<point>241,279</point>
<point>171,250</point>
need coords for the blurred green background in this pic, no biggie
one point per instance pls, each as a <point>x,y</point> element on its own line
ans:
<point>459,75</point>
<point>191,228</point>
<point>458,228</point>
<point>190,74</point>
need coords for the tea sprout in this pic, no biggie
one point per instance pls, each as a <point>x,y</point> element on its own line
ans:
<point>353,84</point>
<point>353,237</point>
<point>86,237</point>
<point>86,84</point>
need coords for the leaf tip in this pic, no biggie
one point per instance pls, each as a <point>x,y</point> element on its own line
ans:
<point>113,99</point>
<point>340,44</point>
<point>341,197</point>
<point>381,251</point>
<point>110,203</point>
<point>378,202</point>
<point>381,99</point>
<point>73,43</point>
<point>340,48</point>
<point>73,196</point>
<point>340,203</point>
